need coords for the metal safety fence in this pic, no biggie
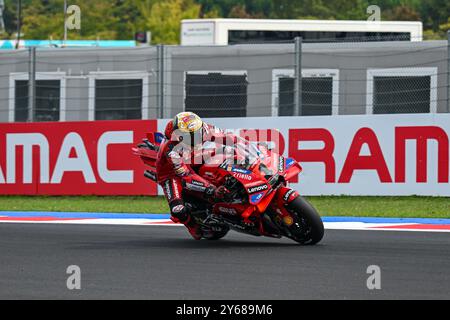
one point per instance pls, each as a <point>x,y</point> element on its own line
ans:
<point>294,78</point>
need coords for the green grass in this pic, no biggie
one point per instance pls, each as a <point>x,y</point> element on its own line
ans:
<point>417,207</point>
<point>131,204</point>
<point>401,207</point>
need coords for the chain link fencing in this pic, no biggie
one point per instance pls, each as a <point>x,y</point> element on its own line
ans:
<point>285,78</point>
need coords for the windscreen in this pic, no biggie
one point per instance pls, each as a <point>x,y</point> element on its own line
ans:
<point>243,153</point>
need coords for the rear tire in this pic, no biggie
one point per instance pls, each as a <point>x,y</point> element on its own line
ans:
<point>304,210</point>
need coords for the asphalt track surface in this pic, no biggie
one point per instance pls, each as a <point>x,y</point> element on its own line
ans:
<point>162,262</point>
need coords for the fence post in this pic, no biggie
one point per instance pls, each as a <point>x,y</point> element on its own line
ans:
<point>298,77</point>
<point>32,84</point>
<point>160,85</point>
<point>448,71</point>
<point>65,24</point>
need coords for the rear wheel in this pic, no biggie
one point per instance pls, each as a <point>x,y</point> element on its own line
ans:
<point>308,227</point>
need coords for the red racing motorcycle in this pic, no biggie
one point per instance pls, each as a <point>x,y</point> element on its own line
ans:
<point>259,201</point>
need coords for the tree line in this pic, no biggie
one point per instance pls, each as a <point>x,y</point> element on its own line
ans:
<point>120,19</point>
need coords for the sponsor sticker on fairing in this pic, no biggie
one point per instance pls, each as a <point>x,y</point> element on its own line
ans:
<point>240,170</point>
<point>281,164</point>
<point>242,176</point>
<point>289,162</point>
<point>255,198</point>
<point>230,211</point>
<point>159,137</point>
<point>257,188</point>
<point>288,194</point>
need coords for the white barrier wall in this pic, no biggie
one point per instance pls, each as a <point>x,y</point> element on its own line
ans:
<point>359,155</point>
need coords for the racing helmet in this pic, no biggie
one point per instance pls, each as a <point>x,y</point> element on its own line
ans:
<point>186,127</point>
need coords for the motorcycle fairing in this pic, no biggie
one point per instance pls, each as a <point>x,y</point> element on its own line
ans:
<point>155,137</point>
<point>292,169</point>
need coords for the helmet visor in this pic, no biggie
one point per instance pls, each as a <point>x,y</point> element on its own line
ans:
<point>191,138</point>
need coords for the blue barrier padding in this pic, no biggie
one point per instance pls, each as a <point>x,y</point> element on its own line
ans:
<point>101,215</point>
<point>93,215</point>
<point>386,220</point>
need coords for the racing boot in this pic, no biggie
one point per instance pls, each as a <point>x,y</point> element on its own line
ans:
<point>180,213</point>
<point>194,229</point>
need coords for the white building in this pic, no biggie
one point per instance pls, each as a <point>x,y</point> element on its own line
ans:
<point>235,31</point>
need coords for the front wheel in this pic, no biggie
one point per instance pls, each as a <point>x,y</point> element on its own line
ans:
<point>308,228</point>
<point>216,234</point>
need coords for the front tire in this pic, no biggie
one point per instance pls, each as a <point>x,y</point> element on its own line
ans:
<point>307,218</point>
<point>217,235</point>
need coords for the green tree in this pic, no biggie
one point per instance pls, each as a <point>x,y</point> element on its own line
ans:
<point>434,13</point>
<point>45,19</point>
<point>41,20</point>
<point>10,17</point>
<point>347,9</point>
<point>402,13</point>
<point>163,19</point>
<point>130,18</point>
<point>233,8</point>
<point>440,34</point>
<point>120,19</point>
<point>240,11</point>
<point>223,7</point>
<point>320,9</point>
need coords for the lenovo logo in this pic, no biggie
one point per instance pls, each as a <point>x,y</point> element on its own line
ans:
<point>257,188</point>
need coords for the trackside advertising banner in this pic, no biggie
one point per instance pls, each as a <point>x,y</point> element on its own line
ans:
<point>358,155</point>
<point>352,155</point>
<point>73,158</point>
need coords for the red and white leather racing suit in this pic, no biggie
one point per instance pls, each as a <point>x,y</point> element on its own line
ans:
<point>175,174</point>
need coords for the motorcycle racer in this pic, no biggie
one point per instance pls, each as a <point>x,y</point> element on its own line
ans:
<point>192,157</point>
<point>178,157</point>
